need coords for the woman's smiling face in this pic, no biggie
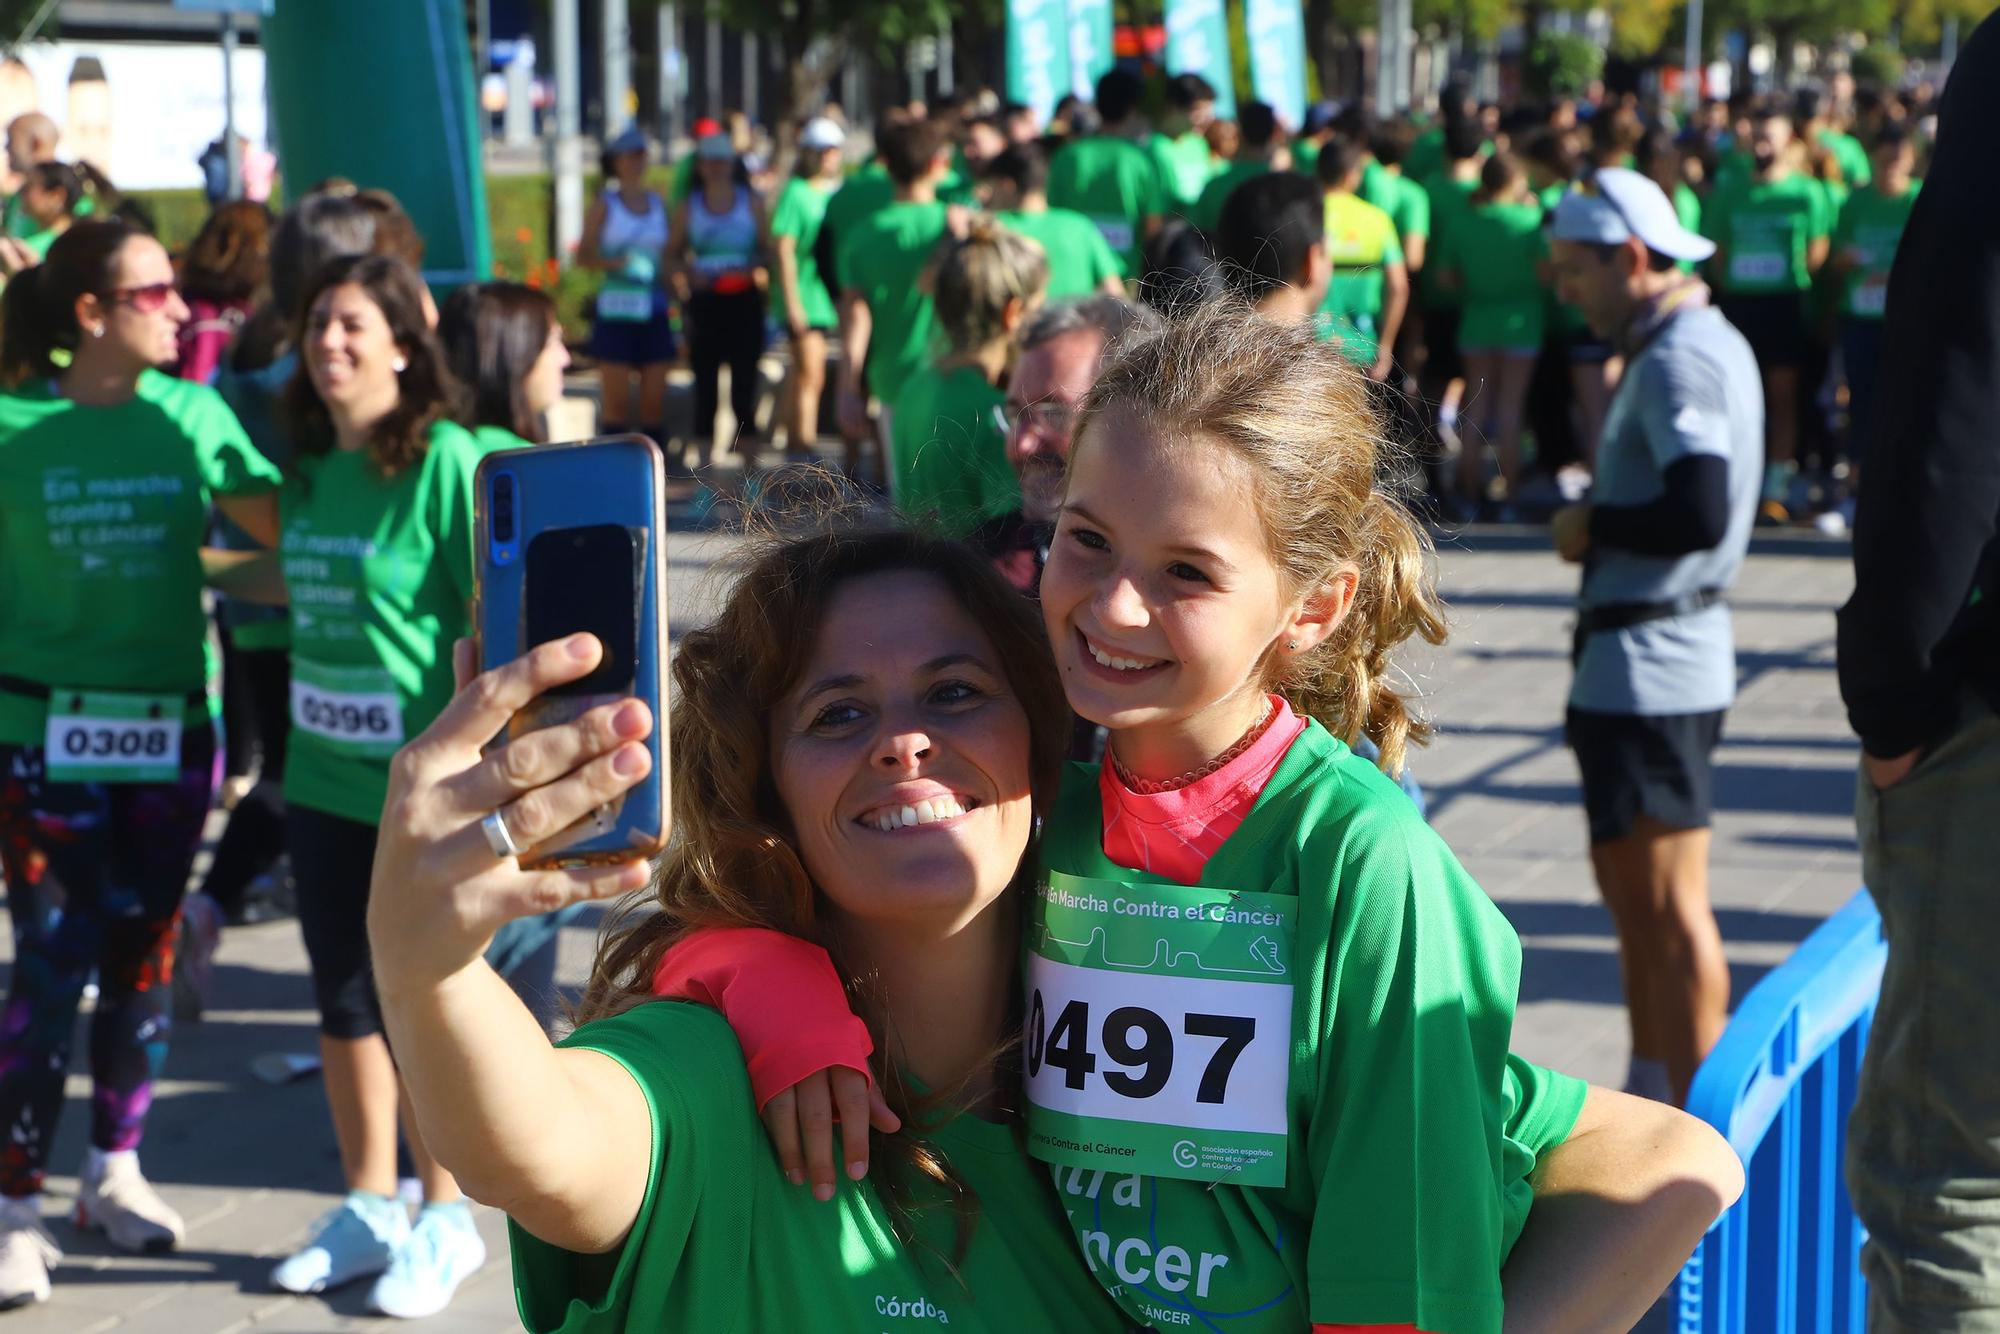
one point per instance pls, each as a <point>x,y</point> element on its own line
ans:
<point>902,757</point>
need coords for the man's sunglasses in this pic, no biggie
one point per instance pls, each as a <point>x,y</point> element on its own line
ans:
<point>145,299</point>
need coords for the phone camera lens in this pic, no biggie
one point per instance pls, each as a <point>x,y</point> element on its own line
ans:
<point>503,509</point>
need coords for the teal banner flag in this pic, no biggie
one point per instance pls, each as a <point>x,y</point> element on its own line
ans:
<point>415,136</point>
<point>1198,43</point>
<point>1090,53</point>
<point>1276,31</point>
<point>1038,46</point>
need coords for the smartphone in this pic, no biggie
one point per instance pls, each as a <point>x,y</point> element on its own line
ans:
<point>573,538</point>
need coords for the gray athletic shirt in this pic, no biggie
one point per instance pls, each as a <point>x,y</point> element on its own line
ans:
<point>1694,389</point>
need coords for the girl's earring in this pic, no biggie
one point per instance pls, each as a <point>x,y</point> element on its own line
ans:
<point>1293,646</point>
<point>399,365</point>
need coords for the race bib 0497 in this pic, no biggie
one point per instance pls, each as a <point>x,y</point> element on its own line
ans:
<point>352,709</point>
<point>106,737</point>
<point>1159,1028</point>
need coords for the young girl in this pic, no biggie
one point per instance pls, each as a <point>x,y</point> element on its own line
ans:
<point>1496,258</point>
<point>947,441</point>
<point>1267,1010</point>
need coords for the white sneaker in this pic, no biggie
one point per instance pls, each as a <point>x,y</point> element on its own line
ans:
<point>441,1252</point>
<point>356,1240</point>
<point>27,1253</point>
<point>118,1201</point>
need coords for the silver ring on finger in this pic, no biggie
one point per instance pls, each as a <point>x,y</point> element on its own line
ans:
<point>499,837</point>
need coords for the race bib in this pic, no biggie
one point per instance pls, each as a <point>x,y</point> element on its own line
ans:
<point>1870,298</point>
<point>354,710</point>
<point>632,304</point>
<point>105,737</point>
<point>1159,1029</point>
<point>1117,233</point>
<point>1757,268</point>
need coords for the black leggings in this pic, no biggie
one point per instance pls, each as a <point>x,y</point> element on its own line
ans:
<point>332,859</point>
<point>254,838</point>
<point>725,330</point>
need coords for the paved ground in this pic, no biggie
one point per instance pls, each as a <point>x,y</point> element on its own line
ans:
<point>252,1165</point>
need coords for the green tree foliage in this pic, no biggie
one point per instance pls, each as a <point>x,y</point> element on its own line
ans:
<point>1563,64</point>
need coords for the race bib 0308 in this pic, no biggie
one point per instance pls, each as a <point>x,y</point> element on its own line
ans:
<point>352,709</point>
<point>1159,1027</point>
<point>107,737</point>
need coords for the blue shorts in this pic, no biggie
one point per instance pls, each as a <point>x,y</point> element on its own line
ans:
<point>635,342</point>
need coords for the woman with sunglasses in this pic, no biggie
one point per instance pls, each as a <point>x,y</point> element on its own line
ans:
<point>108,468</point>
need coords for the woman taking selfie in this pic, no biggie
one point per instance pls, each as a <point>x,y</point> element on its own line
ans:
<point>630,1160</point>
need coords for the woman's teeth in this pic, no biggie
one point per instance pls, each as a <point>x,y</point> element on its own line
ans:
<point>924,812</point>
<point>1116,664</point>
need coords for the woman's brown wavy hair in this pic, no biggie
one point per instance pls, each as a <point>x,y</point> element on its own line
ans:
<point>732,861</point>
<point>427,393</point>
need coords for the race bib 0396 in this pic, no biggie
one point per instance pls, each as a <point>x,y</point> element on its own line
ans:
<point>1159,1029</point>
<point>107,737</point>
<point>352,709</point>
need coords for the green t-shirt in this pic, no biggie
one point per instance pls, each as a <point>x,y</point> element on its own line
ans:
<point>1426,154</point>
<point>680,181</point>
<point>800,211</point>
<point>949,451</point>
<point>1207,211</point>
<point>380,574</point>
<point>1764,229</point>
<point>1115,184</point>
<point>1361,241</point>
<point>1410,1148</point>
<point>864,194</point>
<point>723,1243</point>
<point>103,511</point>
<point>1871,226</point>
<point>1079,260</point>
<point>1407,203</point>
<point>1496,249</point>
<point>882,256</point>
<point>1855,169</point>
<point>1184,163</point>
<point>1450,200</point>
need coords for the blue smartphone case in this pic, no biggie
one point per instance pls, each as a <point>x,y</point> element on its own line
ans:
<point>613,480</point>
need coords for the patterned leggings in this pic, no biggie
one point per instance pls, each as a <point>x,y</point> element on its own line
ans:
<point>95,875</point>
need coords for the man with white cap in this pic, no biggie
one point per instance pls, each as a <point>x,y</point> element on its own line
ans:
<point>1660,542</point>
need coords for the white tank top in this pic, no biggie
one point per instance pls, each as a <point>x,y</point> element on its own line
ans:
<point>625,232</point>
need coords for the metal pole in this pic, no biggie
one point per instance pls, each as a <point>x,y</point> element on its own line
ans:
<point>671,72</point>
<point>482,62</point>
<point>1948,49</point>
<point>617,23</point>
<point>1385,85</point>
<point>946,56</point>
<point>569,128</point>
<point>1692,59</point>
<point>751,51</point>
<point>711,48</point>
<point>231,154</point>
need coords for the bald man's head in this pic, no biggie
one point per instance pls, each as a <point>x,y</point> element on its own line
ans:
<point>31,138</point>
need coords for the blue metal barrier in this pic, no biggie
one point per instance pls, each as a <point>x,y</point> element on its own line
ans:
<point>1779,1086</point>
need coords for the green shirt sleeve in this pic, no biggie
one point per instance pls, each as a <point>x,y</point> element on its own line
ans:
<point>1822,215</point>
<point>1542,1109</point>
<point>230,465</point>
<point>1392,245</point>
<point>690,1068</point>
<point>1405,1143</point>
<point>1098,260</point>
<point>1416,219</point>
<point>455,456</point>
<point>787,218</point>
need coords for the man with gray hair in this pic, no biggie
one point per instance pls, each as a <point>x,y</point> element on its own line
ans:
<point>1061,351</point>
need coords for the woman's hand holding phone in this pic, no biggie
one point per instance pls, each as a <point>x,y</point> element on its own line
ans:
<point>440,889</point>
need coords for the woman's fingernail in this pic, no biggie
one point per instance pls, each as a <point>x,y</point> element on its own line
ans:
<point>630,761</point>
<point>796,1177</point>
<point>822,1192</point>
<point>858,1168</point>
<point>579,647</point>
<point>630,718</point>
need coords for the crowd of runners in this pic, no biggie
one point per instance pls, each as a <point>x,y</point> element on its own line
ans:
<point>1191,385</point>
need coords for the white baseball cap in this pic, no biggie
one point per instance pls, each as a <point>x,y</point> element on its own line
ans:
<point>1615,204</point>
<point>821,133</point>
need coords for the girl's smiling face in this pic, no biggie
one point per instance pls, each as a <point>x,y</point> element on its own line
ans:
<point>1162,600</point>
